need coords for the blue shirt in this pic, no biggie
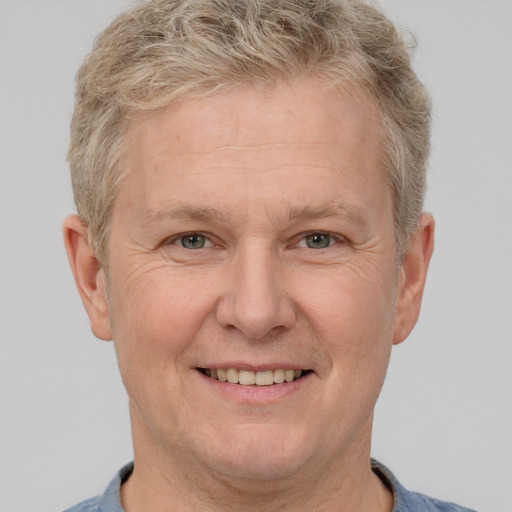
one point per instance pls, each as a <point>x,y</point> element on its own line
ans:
<point>404,501</point>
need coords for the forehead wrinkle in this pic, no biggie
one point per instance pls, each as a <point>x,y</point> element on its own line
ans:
<point>255,147</point>
<point>184,155</point>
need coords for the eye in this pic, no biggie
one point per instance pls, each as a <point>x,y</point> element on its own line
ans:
<point>193,241</point>
<point>317,241</point>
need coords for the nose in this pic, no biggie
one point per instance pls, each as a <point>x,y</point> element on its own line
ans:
<point>255,302</point>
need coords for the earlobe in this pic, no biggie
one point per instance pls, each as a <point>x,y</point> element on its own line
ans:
<point>413,273</point>
<point>89,276</point>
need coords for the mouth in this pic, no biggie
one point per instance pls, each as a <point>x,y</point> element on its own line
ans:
<point>252,378</point>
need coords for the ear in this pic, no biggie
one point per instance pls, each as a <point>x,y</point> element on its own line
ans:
<point>412,275</point>
<point>89,276</point>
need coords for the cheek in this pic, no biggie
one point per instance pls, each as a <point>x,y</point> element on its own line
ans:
<point>156,317</point>
<point>343,302</point>
<point>352,318</point>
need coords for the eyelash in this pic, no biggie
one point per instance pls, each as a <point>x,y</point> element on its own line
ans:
<point>302,243</point>
<point>333,239</point>
<point>175,240</point>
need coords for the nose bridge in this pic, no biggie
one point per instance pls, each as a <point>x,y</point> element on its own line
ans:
<point>255,302</point>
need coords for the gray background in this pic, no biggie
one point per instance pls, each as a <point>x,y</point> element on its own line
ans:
<point>444,420</point>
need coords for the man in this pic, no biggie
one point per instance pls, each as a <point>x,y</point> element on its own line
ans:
<point>249,179</point>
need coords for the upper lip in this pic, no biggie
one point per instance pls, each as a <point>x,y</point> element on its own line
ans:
<point>255,367</point>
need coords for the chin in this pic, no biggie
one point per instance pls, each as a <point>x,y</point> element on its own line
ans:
<point>259,453</point>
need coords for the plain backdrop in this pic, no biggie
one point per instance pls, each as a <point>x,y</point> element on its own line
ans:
<point>444,421</point>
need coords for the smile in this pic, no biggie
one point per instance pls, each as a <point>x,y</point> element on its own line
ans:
<point>251,378</point>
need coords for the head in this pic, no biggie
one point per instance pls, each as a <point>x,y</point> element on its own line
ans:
<point>161,52</point>
<point>250,177</point>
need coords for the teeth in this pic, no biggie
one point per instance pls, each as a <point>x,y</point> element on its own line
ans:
<point>246,378</point>
<point>250,378</point>
<point>278,376</point>
<point>232,375</point>
<point>265,378</point>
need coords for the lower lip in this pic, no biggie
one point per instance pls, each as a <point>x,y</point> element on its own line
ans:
<point>256,394</point>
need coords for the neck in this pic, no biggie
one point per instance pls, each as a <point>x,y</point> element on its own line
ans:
<point>163,485</point>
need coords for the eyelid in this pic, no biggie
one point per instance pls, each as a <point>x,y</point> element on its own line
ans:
<point>302,237</point>
<point>172,240</point>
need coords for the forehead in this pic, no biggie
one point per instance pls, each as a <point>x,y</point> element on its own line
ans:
<point>300,112</point>
<point>289,138</point>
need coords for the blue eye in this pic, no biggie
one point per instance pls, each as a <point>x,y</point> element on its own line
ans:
<point>193,241</point>
<point>319,240</point>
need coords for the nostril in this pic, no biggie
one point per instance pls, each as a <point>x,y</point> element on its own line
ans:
<point>255,305</point>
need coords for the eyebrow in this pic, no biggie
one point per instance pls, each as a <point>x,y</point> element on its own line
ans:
<point>330,210</point>
<point>309,212</point>
<point>184,212</point>
<point>211,213</point>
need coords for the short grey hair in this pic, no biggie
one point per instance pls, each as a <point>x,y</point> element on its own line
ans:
<point>162,51</point>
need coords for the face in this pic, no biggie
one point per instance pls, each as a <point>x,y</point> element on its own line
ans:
<point>252,240</point>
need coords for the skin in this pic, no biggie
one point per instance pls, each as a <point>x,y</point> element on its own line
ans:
<point>255,176</point>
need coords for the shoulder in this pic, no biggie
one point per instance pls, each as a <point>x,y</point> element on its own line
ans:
<point>110,501</point>
<point>90,505</point>
<point>427,504</point>
<point>408,501</point>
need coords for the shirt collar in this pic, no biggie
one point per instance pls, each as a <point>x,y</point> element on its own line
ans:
<point>111,499</point>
